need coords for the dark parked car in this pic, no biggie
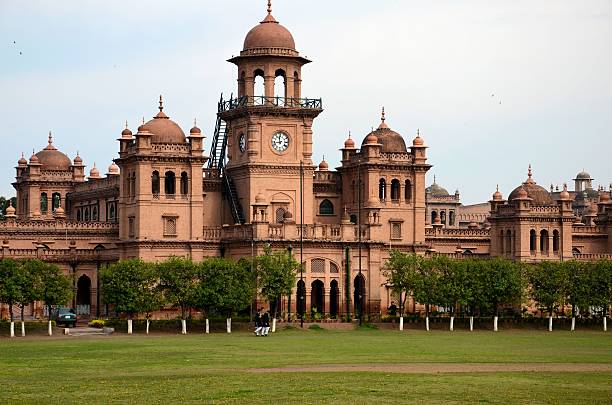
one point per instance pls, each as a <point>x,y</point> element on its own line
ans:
<point>66,316</point>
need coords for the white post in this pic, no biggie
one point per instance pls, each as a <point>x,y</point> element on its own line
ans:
<point>605,323</point>
<point>427,323</point>
<point>148,322</point>
<point>207,326</point>
<point>274,325</point>
<point>401,326</point>
<point>12,329</point>
<point>550,323</point>
<point>573,323</point>
<point>495,323</point>
<point>452,323</point>
<point>22,329</point>
<point>229,325</point>
<point>183,327</point>
<point>129,326</point>
<point>50,329</point>
<point>471,324</point>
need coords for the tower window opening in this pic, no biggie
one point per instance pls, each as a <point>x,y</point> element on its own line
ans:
<point>532,240</point>
<point>259,83</point>
<point>280,85</point>
<point>326,208</point>
<point>170,183</point>
<point>382,189</point>
<point>544,241</point>
<point>556,241</point>
<point>395,190</point>
<point>155,183</point>
<point>184,184</point>
<point>408,191</point>
<point>43,203</point>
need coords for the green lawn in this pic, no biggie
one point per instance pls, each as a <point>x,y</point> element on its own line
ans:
<point>218,368</point>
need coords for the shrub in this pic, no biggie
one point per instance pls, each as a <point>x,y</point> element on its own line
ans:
<point>316,328</point>
<point>97,323</point>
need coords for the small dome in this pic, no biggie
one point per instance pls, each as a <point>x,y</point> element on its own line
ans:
<point>583,176</point>
<point>497,196</point>
<point>78,161</point>
<point>436,190</point>
<point>418,141</point>
<point>371,139</point>
<point>323,166</point>
<point>22,161</point>
<point>391,141</point>
<point>349,143</point>
<point>34,159</point>
<point>52,159</point>
<point>126,133</point>
<point>94,173</point>
<point>564,195</point>
<point>195,130</point>
<point>269,34</point>
<point>113,169</point>
<point>164,130</point>
<point>538,194</point>
<point>10,210</point>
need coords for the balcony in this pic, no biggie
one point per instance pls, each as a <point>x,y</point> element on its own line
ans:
<point>315,104</point>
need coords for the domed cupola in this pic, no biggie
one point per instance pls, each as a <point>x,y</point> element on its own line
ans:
<point>269,37</point>
<point>164,130</point>
<point>538,194</point>
<point>52,159</point>
<point>391,141</point>
<point>435,190</point>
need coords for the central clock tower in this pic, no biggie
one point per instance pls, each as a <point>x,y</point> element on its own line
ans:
<point>269,137</point>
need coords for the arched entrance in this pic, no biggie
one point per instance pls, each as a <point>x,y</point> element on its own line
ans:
<point>300,298</point>
<point>317,294</point>
<point>359,294</point>
<point>334,293</point>
<point>83,296</point>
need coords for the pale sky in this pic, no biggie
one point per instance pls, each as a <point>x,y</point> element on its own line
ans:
<point>492,85</point>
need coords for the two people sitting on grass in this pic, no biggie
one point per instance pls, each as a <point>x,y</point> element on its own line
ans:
<point>262,323</point>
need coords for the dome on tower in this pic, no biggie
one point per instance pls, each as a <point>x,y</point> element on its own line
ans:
<point>418,141</point>
<point>22,161</point>
<point>349,143</point>
<point>538,194</point>
<point>435,190</point>
<point>164,130</point>
<point>94,173</point>
<point>583,176</point>
<point>78,161</point>
<point>391,141</point>
<point>269,34</point>
<point>113,169</point>
<point>497,196</point>
<point>10,210</point>
<point>126,133</point>
<point>52,159</point>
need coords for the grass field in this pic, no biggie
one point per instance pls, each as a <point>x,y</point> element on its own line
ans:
<point>365,366</point>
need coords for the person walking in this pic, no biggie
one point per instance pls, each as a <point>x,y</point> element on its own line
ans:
<point>265,322</point>
<point>258,324</point>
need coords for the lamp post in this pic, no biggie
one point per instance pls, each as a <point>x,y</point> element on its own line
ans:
<point>290,250</point>
<point>301,290</point>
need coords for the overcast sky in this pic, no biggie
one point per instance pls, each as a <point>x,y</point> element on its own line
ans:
<point>492,85</point>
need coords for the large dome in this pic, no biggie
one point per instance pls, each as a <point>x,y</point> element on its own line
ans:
<point>164,130</point>
<point>391,141</point>
<point>269,34</point>
<point>52,159</point>
<point>538,194</point>
<point>435,190</point>
<point>583,176</point>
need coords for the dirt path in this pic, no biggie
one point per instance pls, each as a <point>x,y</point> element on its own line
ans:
<point>433,368</point>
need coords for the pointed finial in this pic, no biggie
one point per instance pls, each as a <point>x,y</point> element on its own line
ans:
<point>161,103</point>
<point>434,179</point>
<point>143,121</point>
<point>269,6</point>
<point>126,124</point>
<point>22,155</point>
<point>418,132</point>
<point>50,140</point>
<point>195,122</point>
<point>564,186</point>
<point>349,134</point>
<point>497,188</point>
<point>382,116</point>
<point>323,157</point>
<point>529,171</point>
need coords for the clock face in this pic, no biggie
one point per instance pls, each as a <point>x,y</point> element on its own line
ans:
<point>242,142</point>
<point>280,141</point>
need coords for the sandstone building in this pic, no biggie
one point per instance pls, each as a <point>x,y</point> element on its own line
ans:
<point>166,195</point>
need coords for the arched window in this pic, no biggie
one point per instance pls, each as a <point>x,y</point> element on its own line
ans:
<point>170,183</point>
<point>544,241</point>
<point>94,213</point>
<point>78,214</point>
<point>407,191</point>
<point>300,298</point>
<point>359,294</point>
<point>326,208</point>
<point>280,215</point>
<point>556,241</point>
<point>317,297</point>
<point>56,197</point>
<point>382,189</point>
<point>317,266</point>
<point>334,293</point>
<point>296,85</point>
<point>395,190</point>
<point>260,89</point>
<point>111,211</point>
<point>242,85</point>
<point>184,183</point>
<point>575,251</point>
<point>155,183</point>
<point>443,217</point>
<point>434,215</point>
<point>43,203</point>
<point>280,85</point>
<point>353,218</point>
<point>532,240</point>
<point>86,215</point>
<point>451,218</point>
<point>509,241</point>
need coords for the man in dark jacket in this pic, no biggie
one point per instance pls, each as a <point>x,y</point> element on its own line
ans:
<point>265,322</point>
<point>258,325</point>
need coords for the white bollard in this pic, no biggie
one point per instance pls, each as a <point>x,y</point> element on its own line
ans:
<point>12,329</point>
<point>22,329</point>
<point>129,322</point>
<point>495,324</point>
<point>573,323</point>
<point>229,325</point>
<point>605,323</point>
<point>452,323</point>
<point>207,326</point>
<point>550,323</point>
<point>66,331</point>
<point>471,324</point>
<point>183,326</point>
<point>50,329</point>
<point>427,323</point>
<point>401,326</point>
<point>148,323</point>
<point>274,325</point>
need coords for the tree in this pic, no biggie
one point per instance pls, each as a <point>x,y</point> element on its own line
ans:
<point>474,285</point>
<point>178,282</point>
<point>403,274</point>
<point>426,286</point>
<point>601,288</point>
<point>548,286</point>
<point>276,273</point>
<point>210,285</point>
<point>502,283</point>
<point>29,285</point>
<point>54,288</point>
<point>131,286</point>
<point>577,285</point>
<point>234,288</point>
<point>453,288</point>
<point>11,284</point>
